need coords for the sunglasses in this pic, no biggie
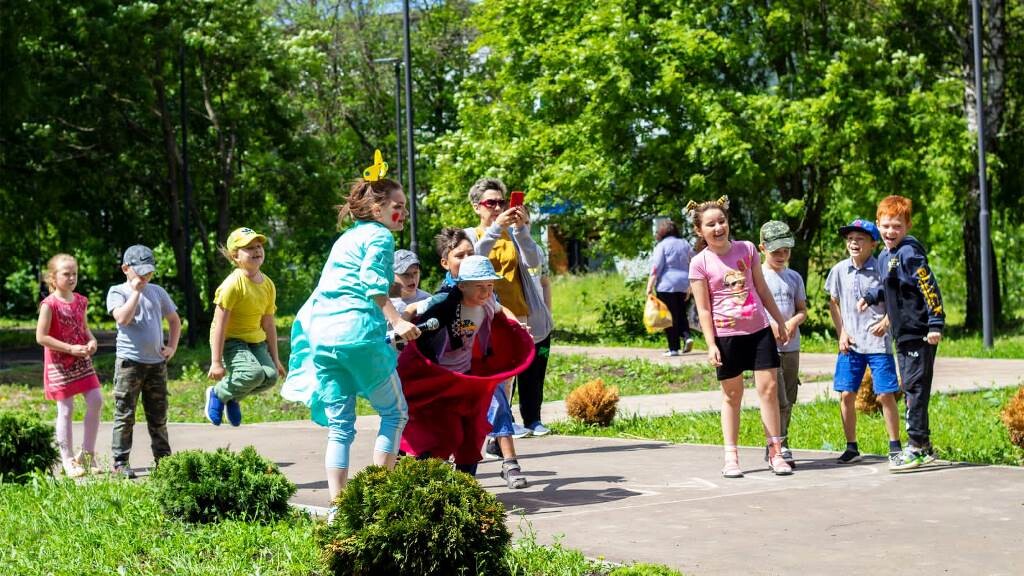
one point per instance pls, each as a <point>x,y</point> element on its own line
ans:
<point>735,283</point>
<point>492,203</point>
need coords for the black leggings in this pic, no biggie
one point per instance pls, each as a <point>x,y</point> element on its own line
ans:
<point>676,302</point>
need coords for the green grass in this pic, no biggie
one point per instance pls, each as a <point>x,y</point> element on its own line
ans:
<point>965,427</point>
<point>632,377</point>
<point>59,527</point>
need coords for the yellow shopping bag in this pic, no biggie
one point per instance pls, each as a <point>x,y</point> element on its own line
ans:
<point>656,315</point>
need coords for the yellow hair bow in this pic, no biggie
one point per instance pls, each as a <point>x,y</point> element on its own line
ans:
<point>691,206</point>
<point>378,170</point>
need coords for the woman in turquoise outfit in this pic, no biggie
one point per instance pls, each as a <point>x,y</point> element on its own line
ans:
<point>338,338</point>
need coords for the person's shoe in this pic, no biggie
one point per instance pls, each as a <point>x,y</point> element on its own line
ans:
<point>123,470</point>
<point>671,353</point>
<point>234,411</point>
<point>927,455</point>
<point>87,461</point>
<point>894,460</point>
<point>787,455</point>
<point>908,459</point>
<point>513,475</point>
<point>778,466</point>
<point>849,457</point>
<point>214,407</point>
<point>520,431</point>
<point>72,469</point>
<point>732,469</point>
<point>331,513</point>
<point>688,345</point>
<point>539,429</point>
<point>492,449</point>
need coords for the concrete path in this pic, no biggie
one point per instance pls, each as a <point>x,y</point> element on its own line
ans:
<point>637,500</point>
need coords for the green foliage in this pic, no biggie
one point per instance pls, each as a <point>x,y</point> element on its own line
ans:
<point>644,569</point>
<point>26,446</point>
<point>622,317</point>
<point>198,486</point>
<point>421,518</point>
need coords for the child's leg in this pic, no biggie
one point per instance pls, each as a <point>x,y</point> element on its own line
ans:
<point>886,384</point>
<point>848,412</point>
<point>789,386</point>
<point>63,432</point>
<point>850,367</point>
<point>387,399</point>
<point>154,402</point>
<point>890,415</point>
<point>341,431</point>
<point>244,372</point>
<point>127,384</point>
<point>93,408</point>
<point>917,361</point>
<point>766,382</point>
<point>262,355</point>
<point>732,399</point>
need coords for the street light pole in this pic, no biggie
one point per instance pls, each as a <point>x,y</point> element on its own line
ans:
<point>983,212</point>
<point>410,151</point>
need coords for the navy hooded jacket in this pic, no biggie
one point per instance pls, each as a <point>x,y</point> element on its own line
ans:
<point>909,291</point>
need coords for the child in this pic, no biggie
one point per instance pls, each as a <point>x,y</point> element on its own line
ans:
<point>787,288</point>
<point>733,320</point>
<point>407,280</point>
<point>338,338</point>
<point>68,345</point>
<point>243,338</point>
<point>913,305</point>
<point>862,336</point>
<point>139,309</point>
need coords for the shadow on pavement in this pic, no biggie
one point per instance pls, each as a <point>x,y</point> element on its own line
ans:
<point>555,494</point>
<point>650,445</point>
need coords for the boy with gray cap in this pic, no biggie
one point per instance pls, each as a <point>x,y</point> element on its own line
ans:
<point>406,289</point>
<point>790,296</point>
<point>139,308</point>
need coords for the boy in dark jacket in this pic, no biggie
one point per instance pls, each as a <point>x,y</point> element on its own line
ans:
<point>914,307</point>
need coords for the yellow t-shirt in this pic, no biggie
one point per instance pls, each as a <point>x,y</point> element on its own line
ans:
<point>248,302</point>
<point>505,260</point>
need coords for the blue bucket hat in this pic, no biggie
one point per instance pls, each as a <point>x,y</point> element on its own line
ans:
<point>476,268</point>
<point>861,225</point>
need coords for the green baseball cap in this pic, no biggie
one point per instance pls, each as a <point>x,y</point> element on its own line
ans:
<point>775,235</point>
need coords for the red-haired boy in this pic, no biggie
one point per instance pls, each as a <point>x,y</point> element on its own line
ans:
<point>914,307</point>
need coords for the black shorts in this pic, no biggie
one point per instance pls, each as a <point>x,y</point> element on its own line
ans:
<point>757,351</point>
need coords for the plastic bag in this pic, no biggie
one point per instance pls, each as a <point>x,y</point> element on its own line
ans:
<point>656,315</point>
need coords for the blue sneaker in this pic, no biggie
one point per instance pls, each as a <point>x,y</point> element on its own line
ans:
<point>234,410</point>
<point>539,429</point>
<point>214,407</point>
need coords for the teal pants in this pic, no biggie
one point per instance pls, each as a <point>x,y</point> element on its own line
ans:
<point>250,370</point>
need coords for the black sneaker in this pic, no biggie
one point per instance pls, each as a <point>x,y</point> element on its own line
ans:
<point>849,457</point>
<point>492,450</point>
<point>123,470</point>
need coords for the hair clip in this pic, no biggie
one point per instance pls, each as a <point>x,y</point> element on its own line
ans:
<point>723,202</point>
<point>378,170</point>
<point>691,206</point>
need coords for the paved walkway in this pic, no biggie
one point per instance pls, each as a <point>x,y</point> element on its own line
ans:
<point>630,500</point>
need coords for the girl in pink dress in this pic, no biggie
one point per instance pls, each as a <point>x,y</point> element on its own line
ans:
<point>68,346</point>
<point>733,303</point>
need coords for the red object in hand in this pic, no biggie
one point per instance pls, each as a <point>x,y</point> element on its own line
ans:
<point>515,198</point>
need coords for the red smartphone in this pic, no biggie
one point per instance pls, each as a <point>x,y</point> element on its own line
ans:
<point>515,198</point>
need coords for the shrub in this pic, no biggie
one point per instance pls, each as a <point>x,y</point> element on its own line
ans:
<point>199,486</point>
<point>421,518</point>
<point>1013,417</point>
<point>622,318</point>
<point>26,446</point>
<point>867,401</point>
<point>593,403</point>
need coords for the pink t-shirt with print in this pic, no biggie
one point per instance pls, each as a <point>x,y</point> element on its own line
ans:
<point>736,308</point>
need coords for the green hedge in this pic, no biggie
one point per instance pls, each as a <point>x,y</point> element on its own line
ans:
<point>26,446</point>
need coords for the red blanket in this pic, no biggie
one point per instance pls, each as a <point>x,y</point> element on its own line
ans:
<point>448,410</point>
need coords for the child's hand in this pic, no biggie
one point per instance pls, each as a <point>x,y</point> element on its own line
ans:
<point>79,350</point>
<point>714,356</point>
<point>216,371</point>
<point>167,352</point>
<point>879,328</point>
<point>844,342</point>
<point>281,370</point>
<point>137,283</point>
<point>862,305</point>
<point>934,338</point>
<point>407,330</point>
<point>91,348</point>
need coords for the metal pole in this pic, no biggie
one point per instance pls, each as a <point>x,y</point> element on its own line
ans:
<point>410,150</point>
<point>398,117</point>
<point>983,213</point>
<point>186,272</point>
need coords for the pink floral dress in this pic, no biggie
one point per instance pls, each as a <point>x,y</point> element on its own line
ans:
<point>65,375</point>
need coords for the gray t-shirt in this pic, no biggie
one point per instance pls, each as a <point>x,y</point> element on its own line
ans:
<point>848,284</point>
<point>787,288</point>
<point>141,340</point>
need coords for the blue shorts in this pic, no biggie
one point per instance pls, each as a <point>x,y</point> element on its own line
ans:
<point>850,372</point>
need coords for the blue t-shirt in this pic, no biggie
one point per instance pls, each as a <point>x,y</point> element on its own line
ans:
<point>142,338</point>
<point>671,263</point>
<point>847,284</point>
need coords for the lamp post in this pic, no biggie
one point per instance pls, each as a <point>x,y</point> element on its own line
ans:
<point>410,151</point>
<point>398,109</point>
<point>983,212</point>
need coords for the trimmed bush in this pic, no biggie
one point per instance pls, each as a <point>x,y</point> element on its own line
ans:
<point>198,486</point>
<point>593,403</point>
<point>1013,417</point>
<point>422,518</point>
<point>26,446</point>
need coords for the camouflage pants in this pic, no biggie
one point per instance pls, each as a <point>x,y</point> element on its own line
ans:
<point>130,379</point>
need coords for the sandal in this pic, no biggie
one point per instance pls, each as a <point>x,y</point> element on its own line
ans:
<point>72,469</point>
<point>779,466</point>
<point>732,465</point>
<point>513,476</point>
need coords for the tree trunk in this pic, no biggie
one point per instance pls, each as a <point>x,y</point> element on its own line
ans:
<point>994,51</point>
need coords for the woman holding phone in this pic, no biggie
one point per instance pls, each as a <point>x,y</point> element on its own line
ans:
<point>503,235</point>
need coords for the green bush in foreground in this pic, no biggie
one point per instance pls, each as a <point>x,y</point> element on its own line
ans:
<point>422,518</point>
<point>26,446</point>
<point>198,486</point>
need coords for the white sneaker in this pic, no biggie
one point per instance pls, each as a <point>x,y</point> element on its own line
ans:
<point>520,431</point>
<point>540,429</point>
<point>688,345</point>
<point>671,353</point>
